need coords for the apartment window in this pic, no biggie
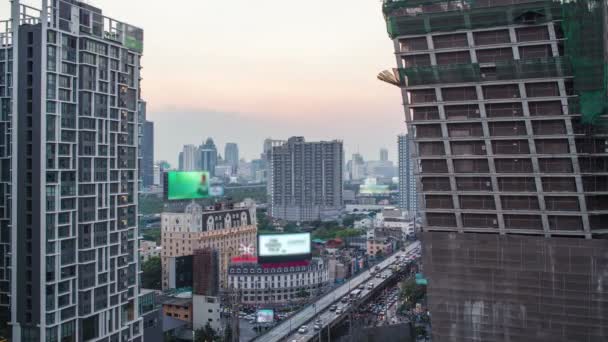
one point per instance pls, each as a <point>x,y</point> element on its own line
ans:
<point>459,94</point>
<point>422,96</point>
<point>597,202</point>
<point>468,148</point>
<point>535,52</point>
<point>431,149</point>
<point>433,166</point>
<point>559,203</point>
<point>500,110</point>
<point>549,127</point>
<point>542,89</point>
<point>439,202</point>
<point>494,55</point>
<point>507,128</point>
<point>510,147</point>
<point>435,184</point>
<point>561,222</point>
<point>552,146</point>
<point>425,113</point>
<point>473,184</point>
<point>519,202</point>
<point>416,60</point>
<point>479,221</point>
<point>461,112</point>
<point>441,220</point>
<point>503,91</point>
<point>428,131</point>
<point>477,202</point>
<point>450,41</point>
<point>523,222</point>
<point>491,37</point>
<point>458,57</point>
<point>516,184</point>
<point>529,34</point>
<point>462,130</point>
<point>545,108</point>
<point>595,183</point>
<point>471,166</point>
<point>518,165</point>
<point>413,44</point>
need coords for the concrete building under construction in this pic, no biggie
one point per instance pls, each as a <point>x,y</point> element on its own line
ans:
<point>505,100</point>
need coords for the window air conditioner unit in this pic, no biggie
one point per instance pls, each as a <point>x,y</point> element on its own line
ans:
<point>483,147</point>
<point>477,111</point>
<point>487,183</point>
<point>494,222</point>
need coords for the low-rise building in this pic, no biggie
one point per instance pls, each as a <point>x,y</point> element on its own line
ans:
<point>278,284</point>
<point>379,246</point>
<point>178,307</point>
<point>149,249</point>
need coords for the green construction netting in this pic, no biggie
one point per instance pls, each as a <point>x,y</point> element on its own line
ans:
<point>583,28</point>
<point>459,73</point>
<point>581,22</point>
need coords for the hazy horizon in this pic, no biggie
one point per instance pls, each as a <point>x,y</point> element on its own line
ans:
<point>241,71</point>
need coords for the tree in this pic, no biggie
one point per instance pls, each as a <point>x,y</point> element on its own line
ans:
<point>152,234</point>
<point>151,273</point>
<point>205,334</point>
<point>302,293</point>
<point>411,293</point>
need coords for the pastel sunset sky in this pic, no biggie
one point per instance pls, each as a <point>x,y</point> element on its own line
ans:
<point>245,70</point>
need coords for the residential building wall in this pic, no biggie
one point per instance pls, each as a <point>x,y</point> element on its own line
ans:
<point>408,196</point>
<point>70,179</point>
<point>307,180</point>
<point>148,153</point>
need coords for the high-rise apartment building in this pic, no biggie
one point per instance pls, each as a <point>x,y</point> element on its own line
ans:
<point>357,167</point>
<point>69,95</point>
<point>408,197</point>
<point>269,144</point>
<point>505,103</point>
<point>147,147</point>
<point>383,155</point>
<point>208,156</point>
<point>307,180</point>
<point>190,158</point>
<point>231,154</point>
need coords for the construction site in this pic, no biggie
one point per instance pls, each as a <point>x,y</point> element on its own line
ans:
<point>506,101</point>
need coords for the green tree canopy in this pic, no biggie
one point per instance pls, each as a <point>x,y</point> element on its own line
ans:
<point>151,273</point>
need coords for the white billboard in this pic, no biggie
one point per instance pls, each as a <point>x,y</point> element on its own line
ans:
<point>278,245</point>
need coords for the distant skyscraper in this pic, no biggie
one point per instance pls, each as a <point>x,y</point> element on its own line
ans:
<point>383,154</point>
<point>307,180</point>
<point>357,166</point>
<point>148,153</point>
<point>70,127</point>
<point>190,158</point>
<point>407,181</point>
<point>208,156</point>
<point>267,158</point>
<point>231,154</point>
<point>180,161</point>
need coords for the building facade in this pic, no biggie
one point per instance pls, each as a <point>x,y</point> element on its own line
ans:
<point>408,197</point>
<point>383,155</point>
<point>280,285</point>
<point>189,158</point>
<point>208,156</point>
<point>307,180</point>
<point>147,147</point>
<point>504,103</point>
<point>224,228</point>
<point>231,154</point>
<point>68,222</point>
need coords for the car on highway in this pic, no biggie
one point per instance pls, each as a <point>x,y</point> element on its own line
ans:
<point>303,329</point>
<point>370,286</point>
<point>333,308</point>
<point>317,326</point>
<point>338,311</point>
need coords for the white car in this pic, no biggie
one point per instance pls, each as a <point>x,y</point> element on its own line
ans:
<point>339,311</point>
<point>303,329</point>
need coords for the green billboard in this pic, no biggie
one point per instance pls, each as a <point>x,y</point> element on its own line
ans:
<point>185,185</point>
